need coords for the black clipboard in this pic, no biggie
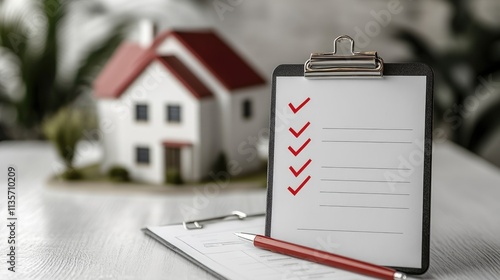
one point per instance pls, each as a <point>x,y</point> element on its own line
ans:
<point>365,65</point>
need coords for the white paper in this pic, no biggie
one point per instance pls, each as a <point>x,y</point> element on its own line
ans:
<point>360,166</point>
<point>216,247</point>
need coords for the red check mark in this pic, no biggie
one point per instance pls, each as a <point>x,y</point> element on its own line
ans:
<point>296,152</point>
<point>297,134</point>
<point>296,191</point>
<point>296,109</point>
<point>297,173</point>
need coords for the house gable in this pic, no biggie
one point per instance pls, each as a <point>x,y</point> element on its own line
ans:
<point>123,67</point>
<point>223,63</point>
<point>113,86</point>
<point>232,71</point>
<point>185,76</point>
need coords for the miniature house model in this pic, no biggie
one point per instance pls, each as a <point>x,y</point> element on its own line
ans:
<point>179,101</point>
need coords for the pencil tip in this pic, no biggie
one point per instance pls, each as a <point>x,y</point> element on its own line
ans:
<point>245,236</point>
<point>399,275</point>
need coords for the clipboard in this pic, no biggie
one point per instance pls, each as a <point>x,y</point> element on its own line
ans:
<point>211,245</point>
<point>350,157</point>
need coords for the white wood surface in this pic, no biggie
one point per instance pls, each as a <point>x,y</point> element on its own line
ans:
<point>72,234</point>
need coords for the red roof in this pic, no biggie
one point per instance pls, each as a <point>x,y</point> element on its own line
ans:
<point>218,57</point>
<point>121,70</point>
<point>130,60</point>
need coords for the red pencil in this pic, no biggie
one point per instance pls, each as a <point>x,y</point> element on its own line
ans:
<point>321,257</point>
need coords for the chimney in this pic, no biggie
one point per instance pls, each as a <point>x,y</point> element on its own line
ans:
<point>148,29</point>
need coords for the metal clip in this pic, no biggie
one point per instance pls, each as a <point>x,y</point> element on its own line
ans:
<point>356,64</point>
<point>198,224</point>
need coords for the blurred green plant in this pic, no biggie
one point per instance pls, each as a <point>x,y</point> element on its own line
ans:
<point>220,164</point>
<point>42,94</point>
<point>462,67</point>
<point>118,174</point>
<point>72,174</point>
<point>174,177</point>
<point>65,129</point>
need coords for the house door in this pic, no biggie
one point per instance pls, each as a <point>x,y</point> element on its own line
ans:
<point>173,158</point>
<point>173,164</point>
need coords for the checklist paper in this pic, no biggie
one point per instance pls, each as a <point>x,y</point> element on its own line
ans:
<point>216,249</point>
<point>347,173</point>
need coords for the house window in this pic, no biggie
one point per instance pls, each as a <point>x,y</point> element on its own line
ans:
<point>141,112</point>
<point>174,113</point>
<point>142,155</point>
<point>247,109</point>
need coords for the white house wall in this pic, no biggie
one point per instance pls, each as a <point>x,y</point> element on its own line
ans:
<point>108,132</point>
<point>156,87</point>
<point>246,132</point>
<point>190,170</point>
<point>211,139</point>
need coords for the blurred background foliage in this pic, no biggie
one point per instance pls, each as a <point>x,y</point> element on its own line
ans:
<point>467,68</point>
<point>461,44</point>
<point>31,43</point>
<point>64,129</point>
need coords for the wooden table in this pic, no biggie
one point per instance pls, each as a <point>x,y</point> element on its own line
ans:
<point>73,234</point>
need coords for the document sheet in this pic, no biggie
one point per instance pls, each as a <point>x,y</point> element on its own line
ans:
<point>216,249</point>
